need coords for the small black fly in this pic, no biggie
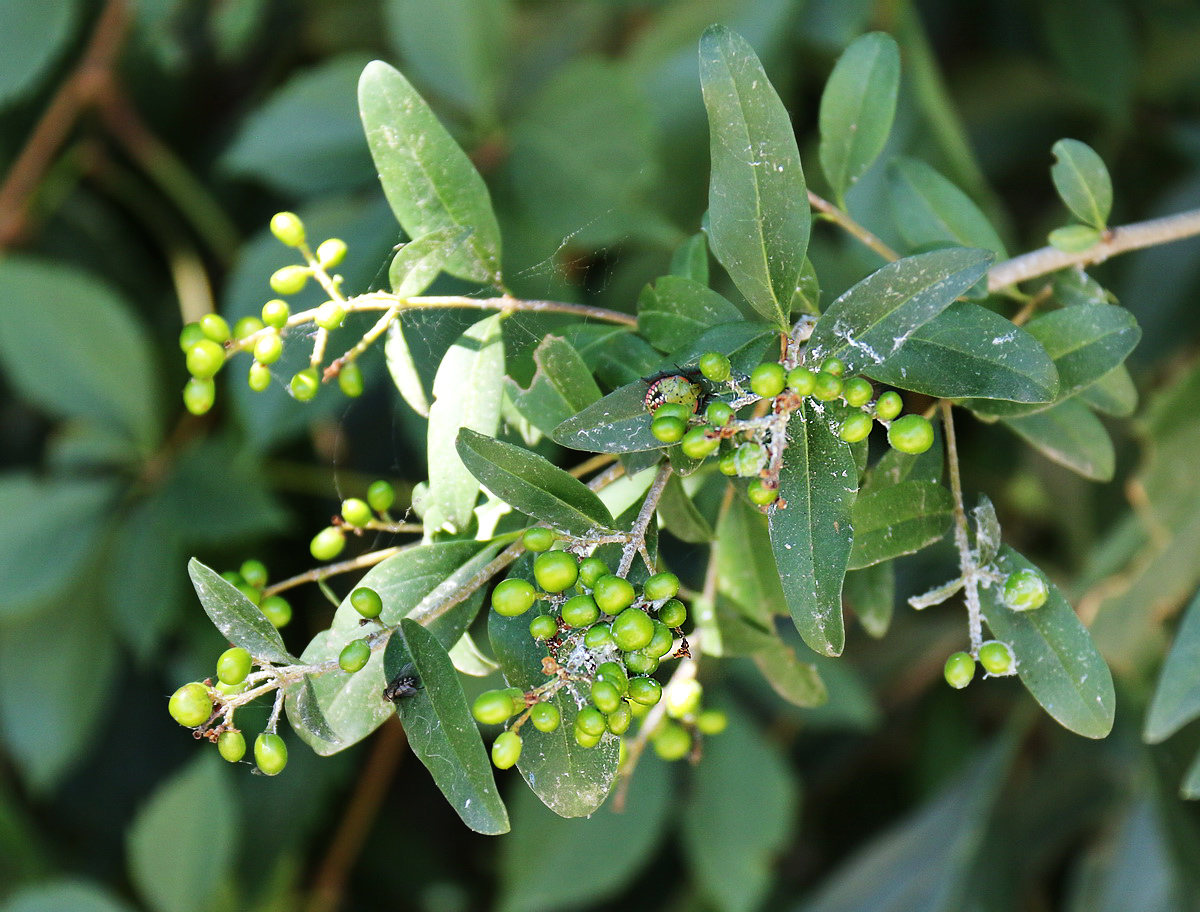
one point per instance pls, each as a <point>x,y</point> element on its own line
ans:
<point>405,684</point>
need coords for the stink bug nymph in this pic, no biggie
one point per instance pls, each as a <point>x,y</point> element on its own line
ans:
<point>405,684</point>
<point>668,387</point>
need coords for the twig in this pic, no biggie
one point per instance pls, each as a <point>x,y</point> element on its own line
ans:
<point>383,301</point>
<point>369,559</point>
<point>968,566</point>
<point>637,535</point>
<point>843,220</point>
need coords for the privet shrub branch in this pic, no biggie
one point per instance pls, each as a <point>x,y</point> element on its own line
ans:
<point>772,397</point>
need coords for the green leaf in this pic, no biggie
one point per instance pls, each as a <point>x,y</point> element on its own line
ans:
<point>1074,238</point>
<point>677,310</point>
<point>38,559</point>
<point>690,259</point>
<point>1070,435</point>
<point>988,537</point>
<point>896,520</point>
<point>1082,182</point>
<point>894,467</point>
<point>730,629</point>
<point>145,584</point>
<point>181,844</point>
<point>101,369</point>
<point>458,49</point>
<point>618,423</point>
<point>533,484</point>
<point>31,37</point>
<point>857,108</point>
<point>875,318</point>
<point>561,387</point>
<point>304,711</point>
<point>1113,394</point>
<point>238,619</point>
<point>417,263</point>
<point>469,660</point>
<point>429,181</point>
<point>968,350</point>
<point>746,570</point>
<point>599,856</point>
<point>1190,787</point>
<point>731,852</point>
<point>56,896</point>
<point>1056,658</point>
<point>797,682</point>
<point>871,594</point>
<point>403,369</point>
<point>811,537</point>
<point>758,211</point>
<point>680,515</point>
<point>1177,695</point>
<point>441,731</point>
<point>466,391</point>
<point>931,211</point>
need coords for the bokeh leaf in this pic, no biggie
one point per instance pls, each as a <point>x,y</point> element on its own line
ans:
<point>1177,695</point>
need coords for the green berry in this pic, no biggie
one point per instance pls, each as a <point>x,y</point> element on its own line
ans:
<point>833,366</point>
<point>857,392</point>
<point>270,753</point>
<point>259,377</point>
<point>354,656</point>
<point>605,695</point>
<point>674,410</point>
<point>580,611</point>
<point>856,426</point>
<point>304,385</point>
<point>381,495</point>
<point>513,597</point>
<point>696,444</point>
<point>215,328</point>
<point>328,543</point>
<point>911,434</point>
<point>673,613</point>
<point>246,327</point>
<point>545,717</point>
<point>668,430</point>
<point>718,413</point>
<point>761,493</point>
<point>231,745</point>
<point>889,405</point>
<point>750,458</point>
<point>289,280</point>
<point>205,358</point>
<point>591,569</point>
<point>366,601</point>
<point>268,348</point>
<point>538,539</point>
<point>683,698</point>
<point>662,641</point>
<point>712,722</point>
<point>727,464</point>
<point>189,336</point>
<point>632,629</point>
<point>517,696</point>
<point>715,367</point>
<point>275,313</point>
<point>671,741</point>
<point>233,578</point>
<point>277,610</point>
<point>190,705</point>
<point>199,395</point>
<point>768,379</point>
<point>583,739</point>
<point>356,512</point>
<point>619,720</point>
<point>826,386</point>
<point>801,380</point>
<point>287,227</point>
<point>555,571</point>
<point>591,721</point>
<point>613,594</point>
<point>254,572</point>
<point>543,627</point>
<point>614,674</point>
<point>330,253</point>
<point>1025,590</point>
<point>506,750</point>
<point>233,665</point>
<point>493,707</point>
<point>350,380</point>
<point>661,586</point>
<point>330,315</point>
<point>640,662</point>
<point>996,658</point>
<point>598,637</point>
<point>959,670</point>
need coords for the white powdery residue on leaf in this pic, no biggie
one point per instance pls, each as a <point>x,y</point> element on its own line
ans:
<point>1004,339</point>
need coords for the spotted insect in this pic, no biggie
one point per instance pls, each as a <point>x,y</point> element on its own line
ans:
<point>405,684</point>
<point>674,387</point>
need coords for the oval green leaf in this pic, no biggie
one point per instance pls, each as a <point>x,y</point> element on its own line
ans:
<point>1069,434</point>
<point>677,310</point>
<point>900,519</point>
<point>1177,695</point>
<point>561,387</point>
<point>931,211</point>
<point>1082,181</point>
<point>236,616</point>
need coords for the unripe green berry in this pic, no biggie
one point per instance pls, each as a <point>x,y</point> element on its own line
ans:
<point>662,641</point>
<point>591,569</point>
<point>493,707</point>
<point>304,385</point>
<point>555,571</point>
<point>673,613</point>
<point>727,464</point>
<point>231,745</point>
<point>605,695</point>
<point>613,594</point>
<point>233,665</point>
<point>661,586</point>
<point>614,674</point>
<point>714,366</point>
<point>857,391</point>
<point>506,750</point>
<point>718,413</point>
<point>330,315</point>
<point>674,410</point>
<point>889,405</point>
<point>959,670</point>
<point>350,380</point>
<point>330,253</point>
<point>591,721</point>
<point>697,444</point>
<point>996,658</point>
<point>768,379</point>
<point>215,328</point>
<point>598,637</point>
<point>253,594</point>
<point>277,610</point>
<point>517,696</point>
<point>199,395</point>
<point>761,493</point>
<point>354,656</point>
<point>668,430</point>
<point>538,539</point>
<point>583,739</point>
<point>259,377</point>
<point>189,336</point>
<point>640,662</point>
<point>671,741</point>
<point>356,512</point>
<point>833,366</point>
<point>750,458</point>
<point>268,348</point>
<point>911,434</point>
<point>366,601</point>
<point>513,597</point>
<point>712,722</point>
<point>632,629</point>
<point>545,717</point>
<point>328,543</point>
<point>289,280</point>
<point>619,720</point>
<point>800,380</point>
<point>1025,590</point>
<point>270,754</point>
<point>275,313</point>
<point>580,611</point>
<point>190,705</point>
<point>381,495</point>
<point>683,697</point>
<point>246,327</point>
<point>287,227</point>
<point>543,627</point>
<point>856,426</point>
<point>233,577</point>
<point>826,386</point>
<point>254,572</point>
<point>229,690</point>
<point>205,358</point>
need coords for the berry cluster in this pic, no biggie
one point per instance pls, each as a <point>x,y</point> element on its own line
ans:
<point>251,581</point>
<point>742,445</point>
<point>1024,590</point>
<point>357,514</point>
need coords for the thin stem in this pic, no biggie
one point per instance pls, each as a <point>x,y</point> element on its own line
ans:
<point>464,591</point>
<point>637,535</point>
<point>383,301</point>
<point>843,220</point>
<point>369,559</point>
<point>968,565</point>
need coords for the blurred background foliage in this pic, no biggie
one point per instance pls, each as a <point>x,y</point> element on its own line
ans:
<point>144,146</point>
